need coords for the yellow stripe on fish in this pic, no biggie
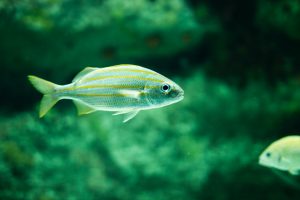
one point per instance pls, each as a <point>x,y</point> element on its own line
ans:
<point>112,86</point>
<point>103,88</point>
<point>96,86</point>
<point>105,95</point>
<point>120,77</point>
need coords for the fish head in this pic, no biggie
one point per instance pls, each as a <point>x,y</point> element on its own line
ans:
<point>282,154</point>
<point>273,157</point>
<point>163,93</point>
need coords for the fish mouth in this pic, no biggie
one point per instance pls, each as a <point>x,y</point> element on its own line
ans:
<point>181,94</point>
<point>261,162</point>
<point>264,162</point>
<point>180,98</point>
<point>177,94</point>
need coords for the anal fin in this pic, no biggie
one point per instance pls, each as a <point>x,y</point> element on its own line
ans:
<point>83,108</point>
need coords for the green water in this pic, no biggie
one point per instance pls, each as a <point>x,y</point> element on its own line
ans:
<point>237,61</point>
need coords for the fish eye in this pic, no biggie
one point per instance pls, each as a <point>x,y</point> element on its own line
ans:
<point>165,88</point>
<point>268,154</point>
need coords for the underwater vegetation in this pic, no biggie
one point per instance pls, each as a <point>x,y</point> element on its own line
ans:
<point>109,31</point>
<point>283,15</point>
<point>237,62</point>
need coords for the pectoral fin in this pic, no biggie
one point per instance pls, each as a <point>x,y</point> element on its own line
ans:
<point>128,115</point>
<point>131,93</point>
<point>83,108</point>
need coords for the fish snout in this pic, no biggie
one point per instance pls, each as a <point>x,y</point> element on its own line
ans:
<point>177,93</point>
<point>181,93</point>
<point>260,161</point>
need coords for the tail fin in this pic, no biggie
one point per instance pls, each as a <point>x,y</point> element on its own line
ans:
<point>47,88</point>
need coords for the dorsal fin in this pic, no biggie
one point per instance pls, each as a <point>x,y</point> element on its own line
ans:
<point>83,73</point>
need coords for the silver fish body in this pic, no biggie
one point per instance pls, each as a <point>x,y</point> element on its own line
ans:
<point>124,89</point>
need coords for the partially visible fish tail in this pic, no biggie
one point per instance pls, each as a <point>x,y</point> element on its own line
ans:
<point>47,88</point>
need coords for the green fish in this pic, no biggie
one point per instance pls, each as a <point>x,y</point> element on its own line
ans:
<point>123,89</point>
<point>283,154</point>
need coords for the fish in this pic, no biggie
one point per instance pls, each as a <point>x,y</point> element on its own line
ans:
<point>123,89</point>
<point>283,154</point>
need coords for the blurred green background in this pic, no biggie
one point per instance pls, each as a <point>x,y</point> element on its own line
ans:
<point>238,62</point>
